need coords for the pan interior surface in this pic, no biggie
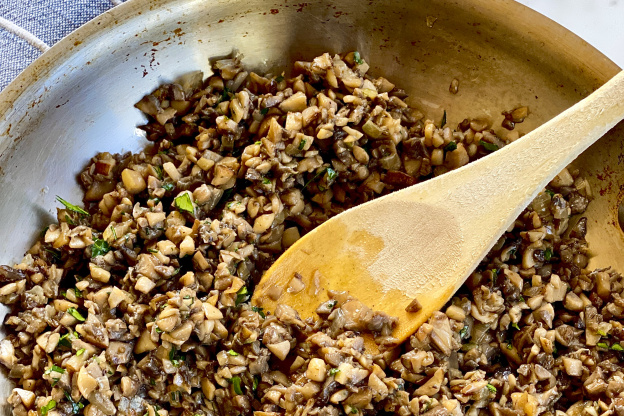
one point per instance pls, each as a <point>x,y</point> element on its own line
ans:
<point>77,99</point>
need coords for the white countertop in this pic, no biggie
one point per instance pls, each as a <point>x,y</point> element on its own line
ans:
<point>599,22</point>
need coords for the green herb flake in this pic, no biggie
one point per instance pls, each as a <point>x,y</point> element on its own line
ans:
<point>68,220</point>
<point>548,254</point>
<point>242,295</point>
<point>54,253</point>
<point>183,202</point>
<point>232,353</point>
<point>152,382</point>
<point>266,181</point>
<point>549,192</point>
<point>491,388</point>
<point>601,333</point>
<point>64,340</point>
<point>236,383</point>
<point>77,293</point>
<point>168,186</point>
<point>333,371</point>
<point>602,345</point>
<point>151,250</point>
<point>443,121</point>
<point>259,311</point>
<point>71,207</point>
<point>158,330</point>
<point>73,312</point>
<point>76,406</point>
<point>617,347</point>
<point>354,410</point>
<point>258,143</point>
<point>99,248</point>
<point>45,409</point>
<point>256,382</point>
<point>463,333</point>
<point>114,232</point>
<point>80,352</point>
<point>159,172</point>
<point>55,369</point>
<point>302,144</point>
<point>490,147</point>
<point>521,299</point>
<point>509,346</point>
<point>331,174</point>
<point>332,303</point>
<point>515,326</point>
<point>450,147</point>
<point>357,58</point>
<point>264,111</point>
<point>44,231</point>
<point>279,78</point>
<point>176,357</point>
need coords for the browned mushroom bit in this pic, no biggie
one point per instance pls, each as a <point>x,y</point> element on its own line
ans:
<point>138,304</point>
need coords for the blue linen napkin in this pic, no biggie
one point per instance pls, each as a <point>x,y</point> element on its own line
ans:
<point>29,27</point>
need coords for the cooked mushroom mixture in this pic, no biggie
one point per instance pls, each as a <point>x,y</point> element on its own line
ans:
<point>138,304</point>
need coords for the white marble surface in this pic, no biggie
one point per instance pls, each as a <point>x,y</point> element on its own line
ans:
<point>599,22</point>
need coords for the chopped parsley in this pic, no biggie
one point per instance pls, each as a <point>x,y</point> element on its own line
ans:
<point>331,174</point>
<point>491,388</point>
<point>73,312</point>
<point>450,147</point>
<point>183,202</point>
<point>151,250</point>
<point>80,352</point>
<point>333,371</point>
<point>548,254</point>
<point>551,193</point>
<point>55,369</point>
<point>256,381</point>
<point>99,247</point>
<point>491,147</point>
<point>76,406</point>
<point>602,345</point>
<point>266,181</point>
<point>443,121</point>
<point>71,207</point>
<point>617,347</point>
<point>357,58</point>
<point>259,311</point>
<point>176,357</point>
<point>509,346</point>
<point>236,383</point>
<point>242,295</point>
<point>45,409</point>
<point>515,326</point>
<point>463,333</point>
<point>68,220</point>
<point>302,144</point>
<point>264,111</point>
<point>232,353</point>
<point>158,330</point>
<point>167,186</point>
<point>279,78</point>
<point>159,172</point>
<point>601,333</point>
<point>114,232</point>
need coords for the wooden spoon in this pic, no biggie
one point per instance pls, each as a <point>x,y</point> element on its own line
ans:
<point>424,241</point>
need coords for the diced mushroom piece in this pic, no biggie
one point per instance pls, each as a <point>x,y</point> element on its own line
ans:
<point>573,367</point>
<point>414,306</point>
<point>27,397</point>
<point>316,370</point>
<point>118,352</point>
<point>99,274</point>
<point>144,284</point>
<point>432,386</point>
<point>296,103</point>
<point>144,343</point>
<point>133,181</point>
<point>280,350</point>
<point>86,383</point>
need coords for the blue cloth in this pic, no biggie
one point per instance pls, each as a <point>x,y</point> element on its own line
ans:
<point>48,21</point>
